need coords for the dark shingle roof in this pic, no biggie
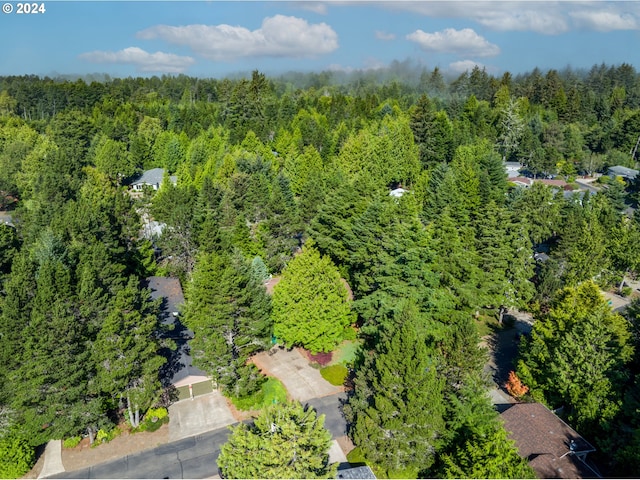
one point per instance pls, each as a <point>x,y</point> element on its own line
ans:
<point>546,441</point>
<point>179,363</point>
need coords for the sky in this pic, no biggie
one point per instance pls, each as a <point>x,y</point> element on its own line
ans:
<point>219,38</point>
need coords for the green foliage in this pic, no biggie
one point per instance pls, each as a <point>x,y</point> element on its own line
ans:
<point>72,442</point>
<point>16,456</point>
<point>105,436</point>
<point>229,314</point>
<point>271,391</point>
<point>334,374</point>
<point>285,441</point>
<point>154,419</point>
<point>401,379</point>
<point>310,304</point>
<point>576,357</point>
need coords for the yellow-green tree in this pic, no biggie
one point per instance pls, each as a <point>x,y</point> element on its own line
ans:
<point>285,441</point>
<point>311,304</point>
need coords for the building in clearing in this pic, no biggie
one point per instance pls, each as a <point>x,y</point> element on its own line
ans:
<point>152,178</point>
<point>624,172</point>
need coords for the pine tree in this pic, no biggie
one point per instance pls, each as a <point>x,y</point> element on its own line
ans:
<point>285,441</point>
<point>310,304</point>
<point>126,351</point>
<point>50,385</point>
<point>228,312</point>
<point>396,411</point>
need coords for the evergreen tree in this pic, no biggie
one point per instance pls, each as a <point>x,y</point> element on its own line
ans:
<point>284,441</point>
<point>310,304</point>
<point>228,312</point>
<point>50,386</point>
<point>396,410</point>
<point>576,357</point>
<point>126,351</point>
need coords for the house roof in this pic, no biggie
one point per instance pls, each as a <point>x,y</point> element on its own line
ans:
<point>356,472</point>
<point>623,171</point>
<point>5,218</point>
<point>170,290</point>
<point>179,365</point>
<point>150,177</point>
<point>527,182</point>
<point>545,441</point>
<point>398,192</point>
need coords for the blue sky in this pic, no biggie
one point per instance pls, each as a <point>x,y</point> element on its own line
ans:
<point>214,38</point>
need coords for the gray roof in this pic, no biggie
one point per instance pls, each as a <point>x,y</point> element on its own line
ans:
<point>170,290</point>
<point>150,177</point>
<point>623,172</point>
<point>552,448</point>
<point>5,218</point>
<point>179,362</point>
<point>356,472</point>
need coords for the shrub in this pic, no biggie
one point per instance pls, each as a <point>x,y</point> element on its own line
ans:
<point>72,442</point>
<point>334,374</point>
<point>104,436</point>
<point>155,414</point>
<point>322,358</point>
<point>356,456</point>
<point>626,291</point>
<point>16,456</point>
<point>514,386</point>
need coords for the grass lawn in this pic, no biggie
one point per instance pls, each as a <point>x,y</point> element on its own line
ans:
<point>272,391</point>
<point>345,354</point>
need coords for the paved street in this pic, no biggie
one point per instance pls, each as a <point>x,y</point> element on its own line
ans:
<point>193,457</point>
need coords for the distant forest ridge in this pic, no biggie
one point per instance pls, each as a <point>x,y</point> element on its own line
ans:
<point>400,77</point>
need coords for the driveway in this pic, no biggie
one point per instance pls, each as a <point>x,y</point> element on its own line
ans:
<point>202,414</point>
<point>302,381</point>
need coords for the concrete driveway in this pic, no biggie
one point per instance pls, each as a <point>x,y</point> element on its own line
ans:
<point>292,369</point>
<point>202,414</point>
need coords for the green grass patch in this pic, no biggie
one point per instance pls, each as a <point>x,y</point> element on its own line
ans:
<point>486,325</point>
<point>346,352</point>
<point>272,391</point>
<point>404,473</point>
<point>72,442</point>
<point>356,456</point>
<point>334,374</point>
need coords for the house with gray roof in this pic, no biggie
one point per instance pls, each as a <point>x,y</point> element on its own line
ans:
<point>152,178</point>
<point>624,172</point>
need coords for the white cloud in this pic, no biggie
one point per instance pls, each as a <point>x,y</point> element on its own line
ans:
<point>604,20</point>
<point>144,61</point>
<point>315,7</point>
<point>279,36</point>
<point>464,66</point>
<point>542,17</point>
<point>380,35</point>
<point>462,42</point>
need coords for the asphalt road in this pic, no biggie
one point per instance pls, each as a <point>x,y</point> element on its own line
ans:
<point>194,457</point>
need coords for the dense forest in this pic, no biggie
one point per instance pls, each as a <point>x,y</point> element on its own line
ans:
<point>292,176</point>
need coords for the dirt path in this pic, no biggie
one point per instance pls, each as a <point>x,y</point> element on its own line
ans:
<point>125,444</point>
